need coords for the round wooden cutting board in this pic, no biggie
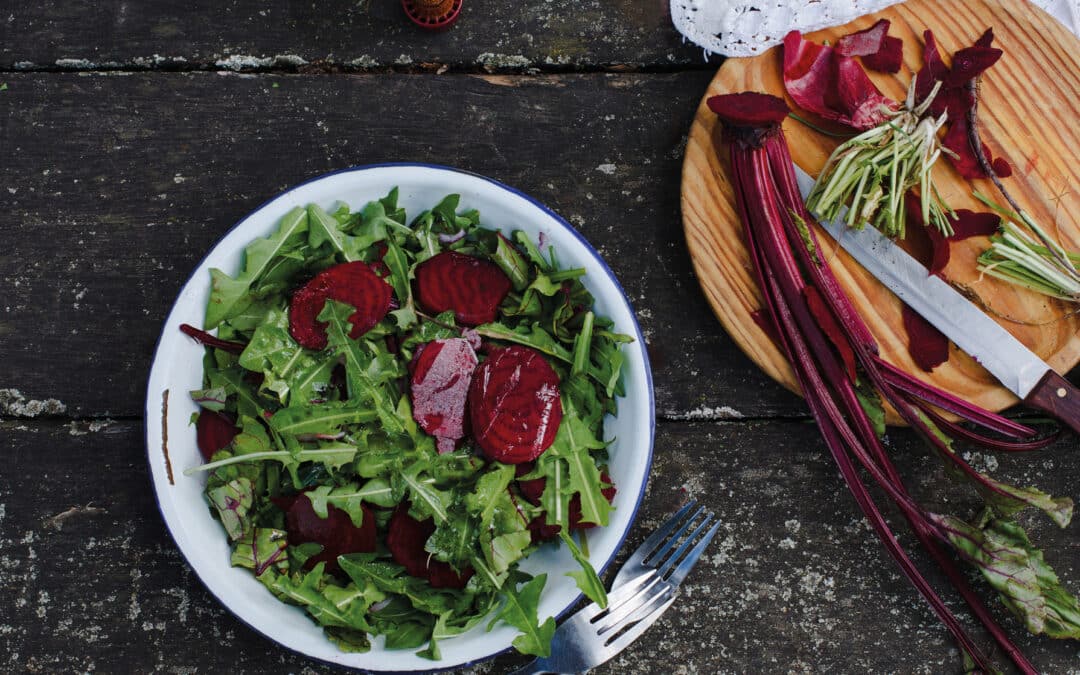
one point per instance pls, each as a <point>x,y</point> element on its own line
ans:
<point>1027,114</point>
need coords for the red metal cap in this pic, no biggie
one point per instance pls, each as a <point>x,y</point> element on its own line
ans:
<point>432,14</point>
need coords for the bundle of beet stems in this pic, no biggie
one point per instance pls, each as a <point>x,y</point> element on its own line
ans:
<point>837,365</point>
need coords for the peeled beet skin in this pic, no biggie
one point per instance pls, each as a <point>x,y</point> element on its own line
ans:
<point>514,405</point>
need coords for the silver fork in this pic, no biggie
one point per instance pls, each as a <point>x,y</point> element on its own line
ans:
<point>653,554</point>
<point>593,635</point>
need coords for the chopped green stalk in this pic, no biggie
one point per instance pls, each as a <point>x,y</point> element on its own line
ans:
<point>1036,262</point>
<point>868,175</point>
<point>582,343</point>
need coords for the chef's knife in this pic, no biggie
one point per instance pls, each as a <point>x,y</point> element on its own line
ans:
<point>1014,365</point>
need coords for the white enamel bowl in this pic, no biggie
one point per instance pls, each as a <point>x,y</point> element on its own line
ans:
<point>177,369</point>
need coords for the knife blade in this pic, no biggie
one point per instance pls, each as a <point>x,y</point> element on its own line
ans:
<point>1019,369</point>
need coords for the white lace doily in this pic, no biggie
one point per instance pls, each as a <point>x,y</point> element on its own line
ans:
<point>749,27</point>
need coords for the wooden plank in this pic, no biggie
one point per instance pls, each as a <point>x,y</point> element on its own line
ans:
<point>793,582</point>
<point>491,35</point>
<point>113,187</point>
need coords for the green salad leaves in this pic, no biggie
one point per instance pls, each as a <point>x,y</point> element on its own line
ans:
<point>336,490</point>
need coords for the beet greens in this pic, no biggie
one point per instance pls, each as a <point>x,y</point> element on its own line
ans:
<point>820,332</point>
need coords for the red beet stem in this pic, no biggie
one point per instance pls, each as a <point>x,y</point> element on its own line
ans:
<point>769,205</point>
<point>210,341</point>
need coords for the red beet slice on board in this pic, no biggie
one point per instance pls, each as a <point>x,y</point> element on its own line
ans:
<point>879,50</point>
<point>335,533</point>
<point>441,373</point>
<point>928,346</point>
<point>406,537</point>
<point>514,405</point>
<point>472,287</point>
<point>352,283</point>
<point>749,109</point>
<point>214,431</point>
<point>823,81</point>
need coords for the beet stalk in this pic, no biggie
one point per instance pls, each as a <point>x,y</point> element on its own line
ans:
<point>822,335</point>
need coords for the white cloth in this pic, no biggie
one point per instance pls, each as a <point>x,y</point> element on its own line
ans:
<point>749,27</point>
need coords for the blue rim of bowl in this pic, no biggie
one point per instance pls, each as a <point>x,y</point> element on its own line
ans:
<point>588,247</point>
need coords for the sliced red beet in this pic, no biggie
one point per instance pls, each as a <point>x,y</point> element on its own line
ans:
<point>335,533</point>
<point>514,405</point>
<point>749,109</point>
<point>214,431</point>
<point>928,346</point>
<point>471,287</point>
<point>352,283</point>
<point>441,373</point>
<point>406,537</point>
<point>822,81</point>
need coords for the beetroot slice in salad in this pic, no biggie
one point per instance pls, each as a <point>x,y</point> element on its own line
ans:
<point>352,283</point>
<point>514,405</point>
<point>336,533</point>
<point>214,431</point>
<point>471,287</point>
<point>406,537</point>
<point>441,373</point>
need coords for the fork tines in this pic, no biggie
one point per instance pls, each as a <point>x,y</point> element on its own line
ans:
<point>673,549</point>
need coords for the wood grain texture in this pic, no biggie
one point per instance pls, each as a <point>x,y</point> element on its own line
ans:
<point>1025,98</point>
<point>114,187</point>
<point>794,581</point>
<point>492,35</point>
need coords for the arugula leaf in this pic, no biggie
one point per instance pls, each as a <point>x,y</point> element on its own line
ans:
<point>367,375</point>
<point>573,443</point>
<point>426,500</point>
<point>511,263</point>
<point>324,228</point>
<point>330,605</point>
<point>520,611</point>
<point>586,577</point>
<point>454,539</point>
<point>229,296</point>
<point>290,371</point>
<point>327,418</point>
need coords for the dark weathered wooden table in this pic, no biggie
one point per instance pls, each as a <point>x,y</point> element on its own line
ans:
<point>132,136</point>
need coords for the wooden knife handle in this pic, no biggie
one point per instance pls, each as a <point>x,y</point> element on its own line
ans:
<point>1054,395</point>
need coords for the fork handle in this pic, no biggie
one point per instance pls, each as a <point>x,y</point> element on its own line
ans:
<point>534,667</point>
